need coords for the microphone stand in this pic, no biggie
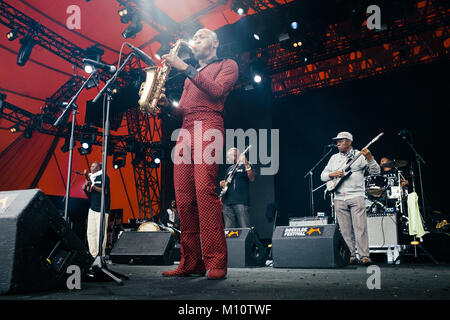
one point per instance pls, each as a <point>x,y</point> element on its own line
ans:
<point>419,160</point>
<point>71,106</point>
<point>311,187</point>
<point>99,262</point>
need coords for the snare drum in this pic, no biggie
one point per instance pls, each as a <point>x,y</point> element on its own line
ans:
<point>375,185</point>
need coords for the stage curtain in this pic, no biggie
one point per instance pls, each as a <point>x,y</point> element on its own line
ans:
<point>22,162</point>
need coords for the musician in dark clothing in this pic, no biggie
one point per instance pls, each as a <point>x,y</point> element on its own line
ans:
<point>236,199</point>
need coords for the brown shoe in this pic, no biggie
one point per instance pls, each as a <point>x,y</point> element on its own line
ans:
<point>365,261</point>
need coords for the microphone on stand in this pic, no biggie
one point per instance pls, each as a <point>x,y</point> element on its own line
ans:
<point>101,65</point>
<point>81,174</point>
<point>331,146</point>
<point>142,55</point>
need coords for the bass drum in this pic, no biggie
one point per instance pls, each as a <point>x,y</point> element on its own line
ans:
<point>149,226</point>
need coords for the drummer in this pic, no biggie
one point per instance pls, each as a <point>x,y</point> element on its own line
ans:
<point>389,170</point>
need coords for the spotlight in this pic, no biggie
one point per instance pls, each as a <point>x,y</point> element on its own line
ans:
<point>25,50</point>
<point>119,160</point>
<point>175,103</point>
<point>87,140</point>
<point>12,35</point>
<point>14,128</point>
<point>134,28</point>
<point>294,25</point>
<point>157,56</point>
<point>156,159</point>
<point>126,14</point>
<point>88,68</point>
<point>257,78</point>
<point>256,36</point>
<point>297,44</point>
<point>240,6</point>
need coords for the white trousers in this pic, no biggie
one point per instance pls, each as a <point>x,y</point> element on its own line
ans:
<point>93,232</point>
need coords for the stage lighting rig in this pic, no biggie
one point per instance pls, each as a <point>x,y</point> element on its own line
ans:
<point>27,44</point>
<point>14,128</point>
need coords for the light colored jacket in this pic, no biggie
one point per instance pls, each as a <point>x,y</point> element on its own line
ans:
<point>353,186</point>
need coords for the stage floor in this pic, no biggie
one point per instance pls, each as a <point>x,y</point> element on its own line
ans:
<point>406,281</point>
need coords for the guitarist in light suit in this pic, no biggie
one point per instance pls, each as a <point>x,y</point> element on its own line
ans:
<point>349,197</point>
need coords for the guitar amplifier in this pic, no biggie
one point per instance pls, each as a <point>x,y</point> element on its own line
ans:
<point>308,221</point>
<point>382,231</point>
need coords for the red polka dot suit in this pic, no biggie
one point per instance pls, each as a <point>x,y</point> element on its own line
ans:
<point>203,243</point>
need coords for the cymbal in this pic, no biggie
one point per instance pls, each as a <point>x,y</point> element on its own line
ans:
<point>395,164</point>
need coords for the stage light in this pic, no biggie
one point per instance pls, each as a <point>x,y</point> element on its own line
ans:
<point>119,160</point>
<point>297,44</point>
<point>14,128</point>
<point>134,28</point>
<point>27,44</point>
<point>256,36</point>
<point>240,6</point>
<point>12,35</point>
<point>257,78</point>
<point>294,25</point>
<point>175,103</point>
<point>126,14</point>
<point>87,140</point>
<point>88,68</point>
<point>157,56</point>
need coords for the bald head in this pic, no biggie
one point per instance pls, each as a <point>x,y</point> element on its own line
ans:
<point>205,44</point>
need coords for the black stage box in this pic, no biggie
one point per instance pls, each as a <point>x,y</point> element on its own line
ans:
<point>309,247</point>
<point>244,248</point>
<point>144,248</point>
<point>36,244</point>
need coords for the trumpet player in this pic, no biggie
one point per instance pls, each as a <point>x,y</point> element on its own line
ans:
<point>203,244</point>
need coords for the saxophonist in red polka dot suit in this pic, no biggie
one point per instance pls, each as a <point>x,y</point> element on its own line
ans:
<point>203,243</point>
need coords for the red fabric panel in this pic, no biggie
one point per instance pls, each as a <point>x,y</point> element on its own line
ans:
<point>20,162</point>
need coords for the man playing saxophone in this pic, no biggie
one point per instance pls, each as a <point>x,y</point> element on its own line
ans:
<point>203,244</point>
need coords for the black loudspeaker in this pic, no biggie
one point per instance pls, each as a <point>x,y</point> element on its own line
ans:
<point>309,247</point>
<point>244,248</point>
<point>144,248</point>
<point>36,244</point>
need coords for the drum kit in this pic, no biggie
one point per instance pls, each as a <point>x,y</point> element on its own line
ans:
<point>384,192</point>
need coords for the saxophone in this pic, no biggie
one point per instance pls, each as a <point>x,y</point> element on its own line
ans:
<point>153,88</point>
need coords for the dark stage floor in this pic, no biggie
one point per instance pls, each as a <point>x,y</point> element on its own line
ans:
<point>421,281</point>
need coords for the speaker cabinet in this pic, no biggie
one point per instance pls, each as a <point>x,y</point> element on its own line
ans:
<point>382,231</point>
<point>244,248</point>
<point>144,248</point>
<point>36,244</point>
<point>309,247</point>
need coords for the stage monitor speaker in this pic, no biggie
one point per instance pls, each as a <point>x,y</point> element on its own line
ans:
<point>244,248</point>
<point>309,247</point>
<point>36,244</point>
<point>144,248</point>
